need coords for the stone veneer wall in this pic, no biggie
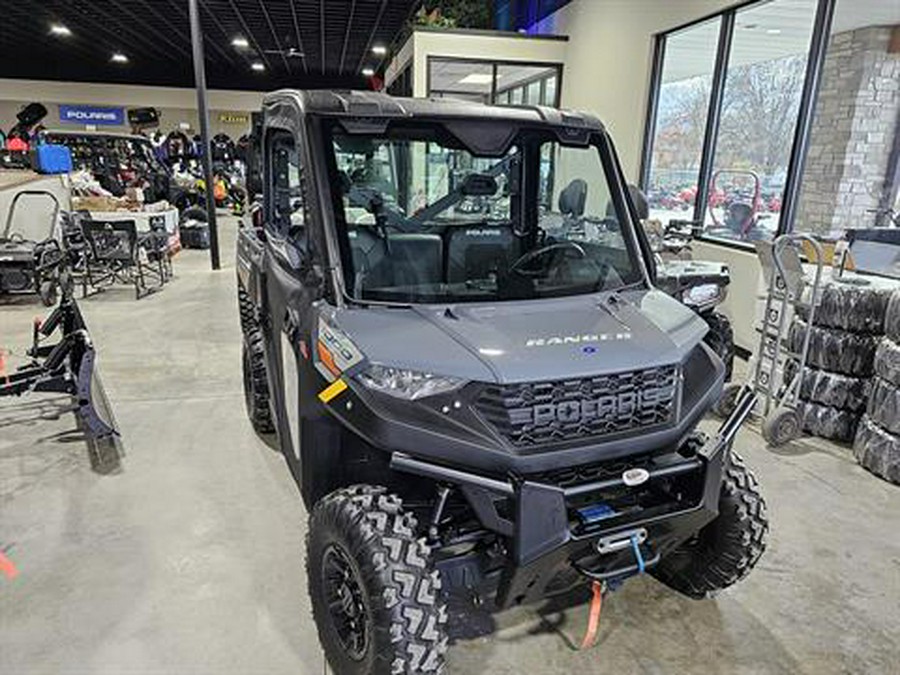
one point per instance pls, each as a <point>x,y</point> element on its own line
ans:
<point>854,130</point>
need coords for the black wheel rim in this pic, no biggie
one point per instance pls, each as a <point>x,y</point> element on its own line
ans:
<point>345,600</point>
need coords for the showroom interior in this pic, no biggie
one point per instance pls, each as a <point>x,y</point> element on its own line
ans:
<point>462,336</point>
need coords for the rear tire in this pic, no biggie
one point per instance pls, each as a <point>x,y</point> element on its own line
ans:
<point>256,384</point>
<point>247,312</point>
<point>375,593</point>
<point>720,338</point>
<point>728,400</point>
<point>724,551</point>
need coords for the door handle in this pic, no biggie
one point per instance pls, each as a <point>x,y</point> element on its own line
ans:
<point>291,323</point>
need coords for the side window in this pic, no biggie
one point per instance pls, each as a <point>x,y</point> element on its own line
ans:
<point>285,207</point>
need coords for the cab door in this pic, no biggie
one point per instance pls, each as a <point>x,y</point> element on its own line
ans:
<point>291,289</point>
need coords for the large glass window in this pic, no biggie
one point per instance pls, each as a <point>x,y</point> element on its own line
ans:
<point>464,230</point>
<point>681,115</point>
<point>760,104</point>
<point>468,80</point>
<point>851,180</point>
<point>489,81</point>
<point>727,96</point>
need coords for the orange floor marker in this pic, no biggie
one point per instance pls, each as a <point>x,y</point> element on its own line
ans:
<point>7,567</point>
<point>590,636</point>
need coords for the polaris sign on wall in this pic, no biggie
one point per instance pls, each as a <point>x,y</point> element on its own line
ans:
<point>88,114</point>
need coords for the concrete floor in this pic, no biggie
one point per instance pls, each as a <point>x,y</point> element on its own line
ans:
<point>189,559</point>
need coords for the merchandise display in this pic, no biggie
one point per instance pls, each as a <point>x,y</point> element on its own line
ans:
<point>877,443</point>
<point>877,450</point>
<point>848,322</point>
<point>835,350</point>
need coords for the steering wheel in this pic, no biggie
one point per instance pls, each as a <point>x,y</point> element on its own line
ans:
<point>16,237</point>
<point>540,253</point>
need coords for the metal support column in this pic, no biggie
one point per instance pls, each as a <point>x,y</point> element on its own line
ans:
<point>205,158</point>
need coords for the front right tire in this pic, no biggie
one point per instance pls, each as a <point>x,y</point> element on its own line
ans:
<point>724,551</point>
<point>375,593</point>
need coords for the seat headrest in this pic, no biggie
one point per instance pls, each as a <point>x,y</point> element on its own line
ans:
<point>573,197</point>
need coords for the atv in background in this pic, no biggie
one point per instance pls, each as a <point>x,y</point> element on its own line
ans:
<point>32,259</point>
<point>490,404</point>
<point>700,285</point>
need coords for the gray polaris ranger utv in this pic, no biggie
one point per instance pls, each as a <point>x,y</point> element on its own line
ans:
<point>471,375</point>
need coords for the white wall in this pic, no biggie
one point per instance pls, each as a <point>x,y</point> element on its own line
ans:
<point>176,105</point>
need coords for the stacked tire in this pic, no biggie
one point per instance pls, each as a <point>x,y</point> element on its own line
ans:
<point>877,443</point>
<point>846,330</point>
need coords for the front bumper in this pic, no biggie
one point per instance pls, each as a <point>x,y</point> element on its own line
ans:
<point>552,544</point>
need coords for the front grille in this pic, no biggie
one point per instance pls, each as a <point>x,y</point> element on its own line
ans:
<point>541,413</point>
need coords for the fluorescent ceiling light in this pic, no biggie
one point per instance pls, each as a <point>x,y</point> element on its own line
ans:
<point>257,66</point>
<point>59,29</point>
<point>240,42</point>
<point>379,50</point>
<point>774,31</point>
<point>477,78</point>
<point>368,72</point>
<point>118,57</point>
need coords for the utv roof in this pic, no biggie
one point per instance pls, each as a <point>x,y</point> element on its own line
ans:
<point>371,104</point>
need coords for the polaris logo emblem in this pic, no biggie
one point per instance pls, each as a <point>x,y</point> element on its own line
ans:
<point>576,339</point>
<point>636,476</point>
<point>609,408</point>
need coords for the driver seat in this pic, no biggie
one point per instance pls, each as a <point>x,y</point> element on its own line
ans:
<point>573,197</point>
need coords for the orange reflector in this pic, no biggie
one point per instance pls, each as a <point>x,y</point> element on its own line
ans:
<point>326,358</point>
<point>332,390</point>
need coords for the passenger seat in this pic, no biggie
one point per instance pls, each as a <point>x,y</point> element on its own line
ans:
<point>474,252</point>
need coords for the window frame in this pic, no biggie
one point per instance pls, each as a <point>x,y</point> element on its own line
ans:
<point>273,135</point>
<point>821,32</point>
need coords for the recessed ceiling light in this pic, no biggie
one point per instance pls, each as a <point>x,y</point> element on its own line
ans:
<point>257,66</point>
<point>379,50</point>
<point>118,57</point>
<point>368,72</point>
<point>477,78</point>
<point>774,31</point>
<point>240,42</point>
<point>59,29</point>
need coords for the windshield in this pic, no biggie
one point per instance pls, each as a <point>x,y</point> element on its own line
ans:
<point>424,220</point>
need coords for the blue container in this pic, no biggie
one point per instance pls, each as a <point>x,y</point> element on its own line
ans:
<point>51,159</point>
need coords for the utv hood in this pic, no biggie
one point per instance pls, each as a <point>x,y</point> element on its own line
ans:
<point>534,340</point>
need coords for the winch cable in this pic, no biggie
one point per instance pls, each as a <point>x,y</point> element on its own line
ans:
<point>593,627</point>
<point>636,547</point>
<point>599,588</point>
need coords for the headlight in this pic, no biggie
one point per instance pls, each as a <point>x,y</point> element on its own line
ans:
<point>409,385</point>
<point>702,294</point>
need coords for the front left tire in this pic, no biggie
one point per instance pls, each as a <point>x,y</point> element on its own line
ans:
<point>375,593</point>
